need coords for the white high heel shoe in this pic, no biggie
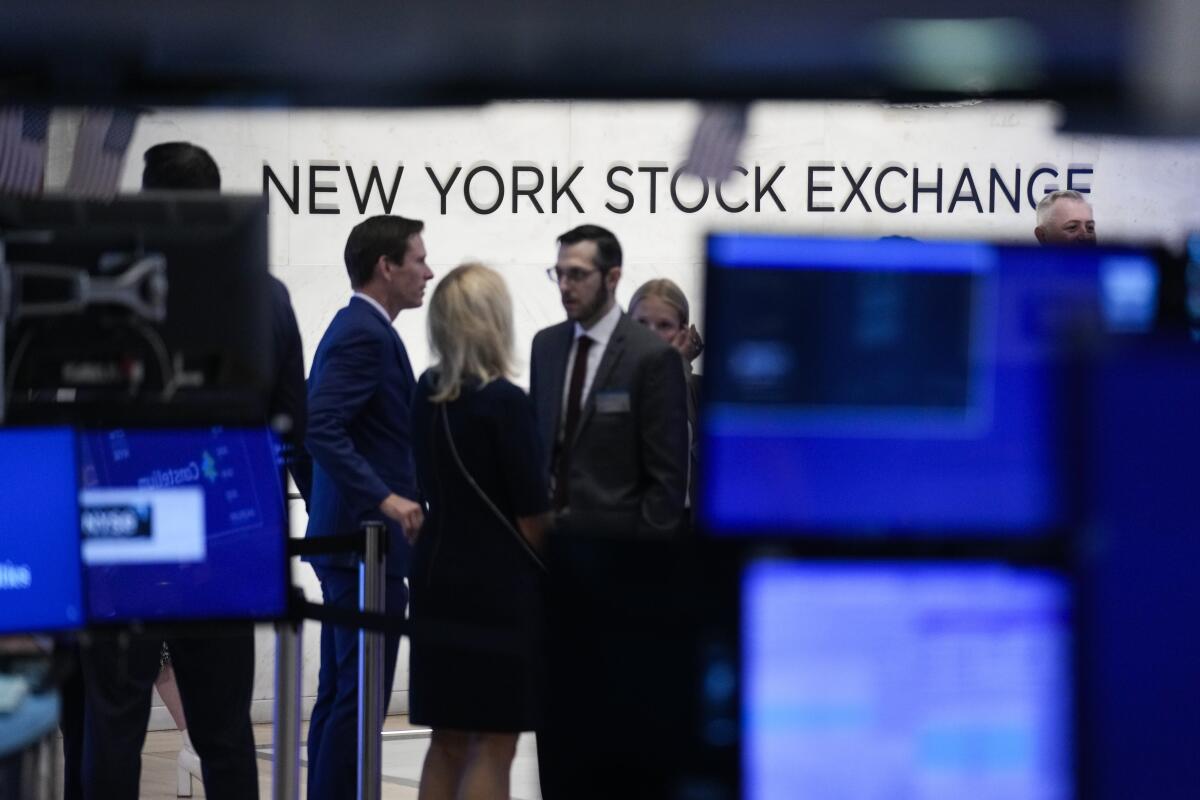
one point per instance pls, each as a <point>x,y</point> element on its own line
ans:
<point>187,769</point>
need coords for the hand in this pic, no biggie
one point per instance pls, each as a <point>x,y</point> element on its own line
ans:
<point>680,340</point>
<point>404,511</point>
<point>688,343</point>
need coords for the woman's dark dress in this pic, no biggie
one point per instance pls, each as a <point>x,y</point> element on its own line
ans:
<point>468,569</point>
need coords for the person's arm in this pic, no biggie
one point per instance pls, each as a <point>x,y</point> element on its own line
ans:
<point>662,428</point>
<point>536,377</point>
<point>519,450</point>
<point>336,395</point>
<point>24,645</point>
<point>289,395</point>
<point>535,529</point>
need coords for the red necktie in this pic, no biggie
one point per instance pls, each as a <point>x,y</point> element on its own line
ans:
<point>574,400</point>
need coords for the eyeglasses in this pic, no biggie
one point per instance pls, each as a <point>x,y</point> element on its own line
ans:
<point>573,275</point>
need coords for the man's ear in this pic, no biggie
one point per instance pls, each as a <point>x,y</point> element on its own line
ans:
<point>1040,233</point>
<point>612,277</point>
<point>380,267</point>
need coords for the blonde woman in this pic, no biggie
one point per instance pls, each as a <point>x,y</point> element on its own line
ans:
<point>661,306</point>
<point>476,560</point>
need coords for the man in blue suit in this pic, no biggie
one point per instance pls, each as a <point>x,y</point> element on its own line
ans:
<point>359,391</point>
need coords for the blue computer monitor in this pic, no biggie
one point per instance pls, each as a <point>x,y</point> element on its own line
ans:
<point>885,680</point>
<point>1139,598</point>
<point>182,525</point>
<point>40,587</point>
<point>1192,285</point>
<point>896,387</point>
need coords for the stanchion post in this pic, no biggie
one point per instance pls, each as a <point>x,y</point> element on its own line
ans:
<point>288,678</point>
<point>370,663</point>
<point>47,767</point>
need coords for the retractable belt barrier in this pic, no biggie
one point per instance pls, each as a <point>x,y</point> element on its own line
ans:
<point>465,637</point>
<point>327,545</point>
<point>370,544</point>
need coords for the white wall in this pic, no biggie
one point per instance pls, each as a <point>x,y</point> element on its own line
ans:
<point>1140,190</point>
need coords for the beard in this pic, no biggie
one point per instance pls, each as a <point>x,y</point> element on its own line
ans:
<point>589,312</point>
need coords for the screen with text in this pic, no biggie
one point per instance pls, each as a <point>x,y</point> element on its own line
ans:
<point>883,387</point>
<point>182,524</point>
<point>884,680</point>
<point>40,586</point>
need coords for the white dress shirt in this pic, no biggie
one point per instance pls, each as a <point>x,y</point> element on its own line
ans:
<point>599,333</point>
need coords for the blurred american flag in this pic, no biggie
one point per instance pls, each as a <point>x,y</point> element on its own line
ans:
<point>23,133</point>
<point>717,141</point>
<point>104,137</point>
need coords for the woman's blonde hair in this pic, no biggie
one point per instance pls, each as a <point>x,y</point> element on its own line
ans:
<point>470,329</point>
<point>666,290</point>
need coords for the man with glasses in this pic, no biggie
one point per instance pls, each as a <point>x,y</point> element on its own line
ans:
<point>610,399</point>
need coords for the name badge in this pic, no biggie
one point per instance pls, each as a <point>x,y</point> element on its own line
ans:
<point>612,402</point>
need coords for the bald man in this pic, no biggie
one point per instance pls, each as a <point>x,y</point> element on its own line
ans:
<point>1065,218</point>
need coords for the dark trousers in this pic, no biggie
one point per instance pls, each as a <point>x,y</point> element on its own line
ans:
<point>552,779</point>
<point>333,729</point>
<point>70,722</point>
<point>215,673</point>
<point>622,666</point>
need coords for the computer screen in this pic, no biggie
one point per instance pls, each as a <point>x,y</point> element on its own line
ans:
<point>40,586</point>
<point>182,524</point>
<point>144,310</point>
<point>1192,285</point>
<point>883,680</point>
<point>891,387</point>
<point>1139,598</point>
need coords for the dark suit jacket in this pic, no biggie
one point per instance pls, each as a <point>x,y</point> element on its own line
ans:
<point>628,465</point>
<point>360,393</point>
<point>288,393</point>
<point>693,415</point>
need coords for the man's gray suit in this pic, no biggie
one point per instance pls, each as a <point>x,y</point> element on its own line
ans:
<point>626,474</point>
<point>628,457</point>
